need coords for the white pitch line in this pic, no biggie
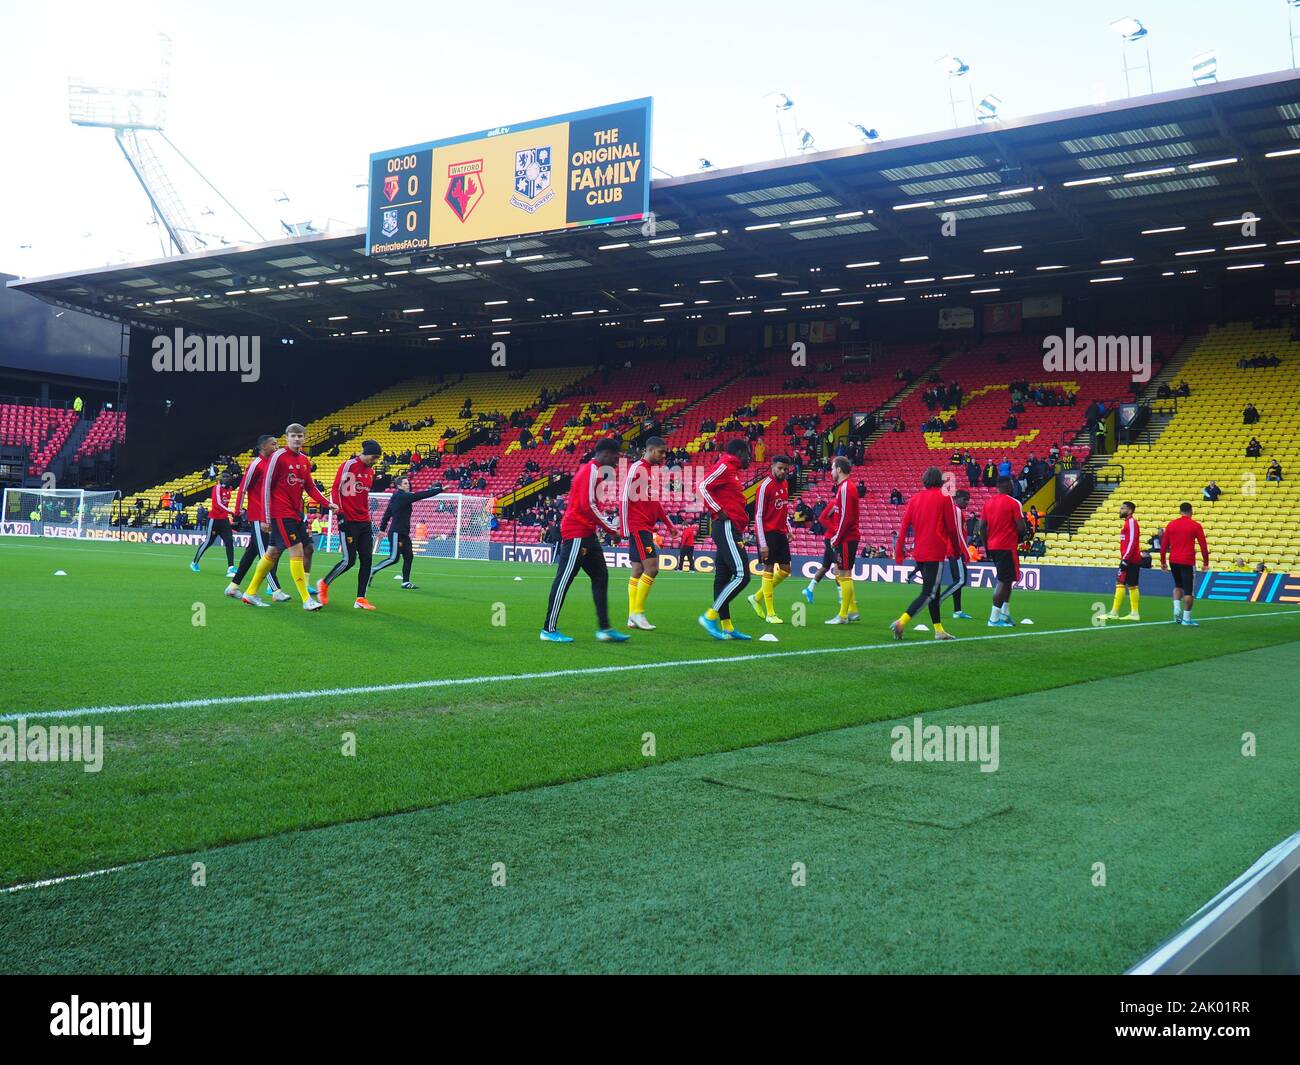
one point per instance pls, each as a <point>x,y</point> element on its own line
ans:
<point>71,876</point>
<point>586,671</point>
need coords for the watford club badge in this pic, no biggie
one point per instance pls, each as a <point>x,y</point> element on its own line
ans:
<point>391,185</point>
<point>464,187</point>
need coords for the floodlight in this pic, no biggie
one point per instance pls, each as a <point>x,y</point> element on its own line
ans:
<point>1129,28</point>
<point>953,67</point>
<point>987,108</point>
<point>1205,67</point>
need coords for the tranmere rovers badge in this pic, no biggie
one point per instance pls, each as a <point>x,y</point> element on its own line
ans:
<point>532,179</point>
<point>390,223</point>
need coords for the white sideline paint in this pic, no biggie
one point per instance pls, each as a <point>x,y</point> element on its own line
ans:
<point>71,876</point>
<point>591,671</point>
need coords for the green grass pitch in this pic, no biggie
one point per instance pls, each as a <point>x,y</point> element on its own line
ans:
<point>487,821</point>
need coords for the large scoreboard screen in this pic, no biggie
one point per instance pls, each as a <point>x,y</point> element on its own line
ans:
<point>582,169</point>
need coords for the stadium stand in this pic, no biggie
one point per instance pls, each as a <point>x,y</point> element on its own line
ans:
<point>984,371</point>
<point>411,401</point>
<point>1254,518</point>
<point>697,403</point>
<point>42,430</point>
<point>607,400</point>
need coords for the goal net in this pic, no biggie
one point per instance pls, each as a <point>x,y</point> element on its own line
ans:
<point>60,512</point>
<point>449,525</point>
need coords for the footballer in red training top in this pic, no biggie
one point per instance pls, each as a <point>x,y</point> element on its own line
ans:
<point>640,513</point>
<point>842,537</point>
<point>1003,527</point>
<point>219,527</point>
<point>929,514</point>
<point>772,530</point>
<point>1178,544</point>
<point>579,546</point>
<point>1130,564</point>
<point>724,499</point>
<point>288,476</point>
<point>351,493</point>
<point>259,532</point>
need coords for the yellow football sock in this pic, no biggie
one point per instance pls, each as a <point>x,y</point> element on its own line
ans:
<point>643,591</point>
<point>260,571</point>
<point>633,591</point>
<point>904,618</point>
<point>299,578</point>
<point>846,596</point>
<point>726,625</point>
<point>938,627</point>
<point>780,574</point>
<point>1119,599</point>
<point>765,593</point>
<point>852,587</point>
<point>1133,599</point>
<point>711,614</point>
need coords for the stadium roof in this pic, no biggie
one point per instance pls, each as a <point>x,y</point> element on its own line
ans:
<point>1135,192</point>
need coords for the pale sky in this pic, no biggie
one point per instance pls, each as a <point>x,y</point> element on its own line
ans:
<point>289,98</point>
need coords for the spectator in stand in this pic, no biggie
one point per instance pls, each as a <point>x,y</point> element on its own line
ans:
<point>972,471</point>
<point>1254,449</point>
<point>896,497</point>
<point>1274,471</point>
<point>1004,467</point>
<point>1250,415</point>
<point>1211,492</point>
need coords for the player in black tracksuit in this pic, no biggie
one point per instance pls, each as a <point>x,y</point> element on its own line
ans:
<point>398,514</point>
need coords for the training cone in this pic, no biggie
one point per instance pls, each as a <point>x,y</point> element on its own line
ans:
<point>59,573</point>
<point>519,578</point>
<point>1026,621</point>
<point>922,628</point>
<point>768,637</point>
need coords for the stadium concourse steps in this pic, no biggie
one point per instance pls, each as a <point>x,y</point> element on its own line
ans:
<point>42,430</point>
<point>1254,519</point>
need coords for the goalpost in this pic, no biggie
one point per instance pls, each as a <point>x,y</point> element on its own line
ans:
<point>449,525</point>
<point>72,513</point>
